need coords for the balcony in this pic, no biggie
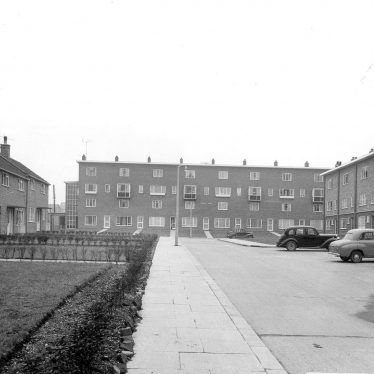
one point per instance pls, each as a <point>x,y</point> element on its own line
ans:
<point>123,195</point>
<point>189,193</point>
<point>318,199</point>
<point>254,197</point>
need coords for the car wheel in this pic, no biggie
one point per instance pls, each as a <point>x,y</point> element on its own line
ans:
<point>356,257</point>
<point>291,246</point>
<point>343,258</point>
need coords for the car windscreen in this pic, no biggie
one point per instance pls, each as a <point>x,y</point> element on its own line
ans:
<point>350,236</point>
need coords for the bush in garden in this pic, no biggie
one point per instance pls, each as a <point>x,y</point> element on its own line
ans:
<point>21,251</point>
<point>43,252</point>
<point>54,252</point>
<point>32,251</point>
<point>84,253</point>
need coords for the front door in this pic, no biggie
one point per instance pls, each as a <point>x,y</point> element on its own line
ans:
<point>172,223</point>
<point>206,223</point>
<point>238,224</point>
<point>38,219</point>
<point>10,221</point>
<point>140,222</point>
<point>270,224</point>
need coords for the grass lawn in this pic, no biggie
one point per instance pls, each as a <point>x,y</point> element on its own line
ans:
<point>29,290</point>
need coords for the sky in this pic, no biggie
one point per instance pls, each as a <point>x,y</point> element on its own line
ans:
<point>263,80</point>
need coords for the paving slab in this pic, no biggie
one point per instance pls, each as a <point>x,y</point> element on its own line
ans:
<point>190,326</point>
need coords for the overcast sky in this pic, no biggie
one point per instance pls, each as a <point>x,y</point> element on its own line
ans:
<point>261,80</point>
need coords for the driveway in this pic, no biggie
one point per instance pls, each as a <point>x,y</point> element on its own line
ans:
<point>314,312</point>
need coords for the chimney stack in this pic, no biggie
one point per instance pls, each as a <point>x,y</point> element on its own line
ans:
<point>371,150</point>
<point>338,163</point>
<point>306,164</point>
<point>275,163</point>
<point>213,161</point>
<point>5,148</point>
<point>149,159</point>
<point>244,162</point>
<point>116,159</point>
<point>181,160</point>
<point>84,158</point>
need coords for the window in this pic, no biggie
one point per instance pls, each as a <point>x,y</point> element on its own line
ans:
<point>334,205</point>
<point>286,177</point>
<point>189,174</point>
<point>344,223</point>
<point>107,188</point>
<point>317,208</point>
<point>239,191</point>
<point>254,175</point>
<point>91,188</point>
<point>221,223</point>
<point>302,192</point>
<point>344,203</point>
<point>91,171</point>
<point>254,207</point>
<point>43,214</point>
<point>311,231</point>
<point>123,203</point>
<point>345,179</point>
<point>156,222</point>
<point>367,236</point>
<point>158,173</point>
<point>286,193</point>
<point>106,222</point>
<point>372,199</point>
<point>124,221</point>
<point>223,174</point>
<point>189,192</point>
<point>20,217</point>
<point>364,172</point>
<point>156,204</point>
<point>318,178</point>
<point>223,205</point>
<point>362,199</point>
<point>270,192</point>
<point>286,207</point>
<point>329,206</point>
<point>21,185</point>
<point>318,194</point>
<point>43,188</point>
<point>140,188</point>
<point>329,184</point>
<point>284,223</point>
<point>31,215</point>
<point>301,222</point>
<point>32,184</point>
<point>157,190</point>
<point>123,190</point>
<point>189,205</point>
<point>254,223</point>
<point>173,190</point>
<point>90,220</point>
<point>223,191</point>
<point>124,172</point>
<point>361,222</point>
<point>189,221</point>
<point>206,191</point>
<point>254,193</point>
<point>90,203</point>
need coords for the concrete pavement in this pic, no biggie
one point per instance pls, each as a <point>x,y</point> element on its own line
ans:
<point>189,326</point>
<point>246,243</point>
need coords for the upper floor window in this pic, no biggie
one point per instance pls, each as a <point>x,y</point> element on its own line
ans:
<point>206,191</point>
<point>107,188</point>
<point>173,190</point>
<point>21,185</point>
<point>124,172</point>
<point>318,195</point>
<point>223,205</point>
<point>286,193</point>
<point>318,178</point>
<point>329,184</point>
<point>223,191</point>
<point>123,190</point>
<point>362,199</point>
<point>287,177</point>
<point>157,190</point>
<point>189,191</point>
<point>43,188</point>
<point>189,205</point>
<point>317,208</point>
<point>91,171</point>
<point>302,192</point>
<point>90,188</point>
<point>32,184</point>
<point>140,188</point>
<point>254,193</point>
<point>239,191</point>
<point>345,178</point>
<point>90,203</point>
<point>364,172</point>
<point>123,203</point>
<point>223,174</point>
<point>31,215</point>
<point>158,173</point>
<point>189,174</point>
<point>254,175</point>
<point>270,192</point>
<point>254,207</point>
<point>344,203</point>
<point>286,207</point>
<point>156,204</point>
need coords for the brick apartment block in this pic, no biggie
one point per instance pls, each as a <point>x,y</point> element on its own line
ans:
<point>349,195</point>
<point>23,196</point>
<point>130,196</point>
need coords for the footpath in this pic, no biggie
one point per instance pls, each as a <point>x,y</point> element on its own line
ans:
<point>189,326</point>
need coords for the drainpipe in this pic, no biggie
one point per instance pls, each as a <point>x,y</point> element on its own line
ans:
<point>27,205</point>
<point>355,199</point>
<point>338,205</point>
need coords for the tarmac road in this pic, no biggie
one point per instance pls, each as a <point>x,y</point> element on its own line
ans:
<point>314,312</point>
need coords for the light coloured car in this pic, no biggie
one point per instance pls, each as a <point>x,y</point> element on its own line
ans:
<point>356,245</point>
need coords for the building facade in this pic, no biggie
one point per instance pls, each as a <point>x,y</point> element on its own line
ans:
<point>123,196</point>
<point>349,195</point>
<point>23,196</point>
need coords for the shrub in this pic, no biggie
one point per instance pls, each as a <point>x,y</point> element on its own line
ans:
<point>32,251</point>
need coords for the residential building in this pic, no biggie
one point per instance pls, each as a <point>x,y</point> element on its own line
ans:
<point>23,196</point>
<point>129,196</point>
<point>349,195</point>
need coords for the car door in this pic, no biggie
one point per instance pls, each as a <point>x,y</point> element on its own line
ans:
<point>300,237</point>
<point>367,243</point>
<point>311,238</point>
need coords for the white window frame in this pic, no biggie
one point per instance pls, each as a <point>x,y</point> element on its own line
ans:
<point>254,223</point>
<point>287,177</point>
<point>270,191</point>
<point>173,190</point>
<point>345,179</point>
<point>156,204</point>
<point>286,207</point>
<point>223,205</point>
<point>5,179</point>
<point>221,223</point>
<point>284,223</point>
<point>32,184</point>
<point>318,195</point>
<point>31,214</point>
<point>123,203</point>
<point>189,205</point>
<point>254,207</point>
<point>123,190</point>
<point>88,190</point>
<point>156,221</point>
<point>106,222</point>
<point>254,193</point>
<point>190,174</point>
<point>91,171</point>
<point>21,185</point>
<point>238,191</point>
<point>157,190</point>
<point>362,199</point>
<point>364,172</point>
<point>90,203</point>
<point>317,208</point>
<point>107,188</point>
<point>254,175</point>
<point>318,178</point>
<point>127,219</point>
<point>223,174</point>
<point>302,192</point>
<point>189,221</point>
<point>206,191</point>
<point>158,173</point>
<point>286,193</point>
<point>329,184</point>
<point>124,172</point>
<point>140,188</point>
<point>89,218</point>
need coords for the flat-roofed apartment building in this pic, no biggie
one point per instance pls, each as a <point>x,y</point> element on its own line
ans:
<point>128,196</point>
<point>23,196</point>
<point>349,195</point>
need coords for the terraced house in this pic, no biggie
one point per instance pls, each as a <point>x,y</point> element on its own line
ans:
<point>129,196</point>
<point>349,192</point>
<point>23,196</point>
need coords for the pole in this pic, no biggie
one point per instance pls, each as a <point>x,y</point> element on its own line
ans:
<point>177,209</point>
<point>54,200</point>
<point>190,223</point>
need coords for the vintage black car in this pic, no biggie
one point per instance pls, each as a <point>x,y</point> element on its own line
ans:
<point>241,233</point>
<point>304,237</point>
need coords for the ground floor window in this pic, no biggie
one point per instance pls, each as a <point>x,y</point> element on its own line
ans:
<point>189,221</point>
<point>361,222</point>
<point>284,223</point>
<point>156,222</point>
<point>317,223</point>
<point>344,223</point>
<point>90,220</point>
<point>124,221</point>
<point>222,223</point>
<point>254,223</point>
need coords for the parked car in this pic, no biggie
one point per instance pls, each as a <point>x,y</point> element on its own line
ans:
<point>304,237</point>
<point>241,233</point>
<point>356,245</point>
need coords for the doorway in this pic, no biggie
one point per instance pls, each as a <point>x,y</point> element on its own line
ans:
<point>206,223</point>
